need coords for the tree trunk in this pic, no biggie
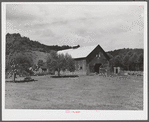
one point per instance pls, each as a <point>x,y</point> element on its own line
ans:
<point>14,76</point>
<point>58,72</point>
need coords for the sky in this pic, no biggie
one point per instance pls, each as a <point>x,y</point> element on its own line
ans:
<point>110,26</point>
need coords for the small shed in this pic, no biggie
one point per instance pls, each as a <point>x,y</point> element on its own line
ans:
<point>116,70</point>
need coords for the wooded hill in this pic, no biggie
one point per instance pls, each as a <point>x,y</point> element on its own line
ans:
<point>128,59</point>
<point>125,51</point>
<point>14,42</point>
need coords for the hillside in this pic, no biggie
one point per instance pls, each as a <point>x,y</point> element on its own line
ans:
<point>33,49</point>
<point>15,42</point>
<point>37,55</point>
<point>125,52</point>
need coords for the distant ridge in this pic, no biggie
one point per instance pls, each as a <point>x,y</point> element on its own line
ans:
<point>15,42</point>
<point>125,51</point>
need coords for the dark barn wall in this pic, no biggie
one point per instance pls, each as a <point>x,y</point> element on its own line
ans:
<point>97,56</point>
<point>95,52</point>
<point>96,60</point>
<point>87,65</point>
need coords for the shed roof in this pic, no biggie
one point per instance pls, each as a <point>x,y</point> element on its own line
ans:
<point>81,52</point>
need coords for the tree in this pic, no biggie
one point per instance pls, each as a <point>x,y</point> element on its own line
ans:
<point>40,63</point>
<point>111,62</point>
<point>140,60</point>
<point>117,61</point>
<point>18,63</point>
<point>132,61</point>
<point>70,64</point>
<point>59,62</point>
<point>126,61</point>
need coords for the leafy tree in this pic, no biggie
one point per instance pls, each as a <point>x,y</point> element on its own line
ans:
<point>111,62</point>
<point>59,62</point>
<point>17,63</point>
<point>126,61</point>
<point>117,61</point>
<point>70,64</point>
<point>140,58</point>
<point>40,63</point>
<point>132,60</point>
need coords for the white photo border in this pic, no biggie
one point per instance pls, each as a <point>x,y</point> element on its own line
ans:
<point>37,114</point>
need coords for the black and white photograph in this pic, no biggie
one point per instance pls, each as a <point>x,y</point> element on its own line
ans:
<point>74,60</point>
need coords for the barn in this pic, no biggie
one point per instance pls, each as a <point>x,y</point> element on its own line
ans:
<point>88,59</point>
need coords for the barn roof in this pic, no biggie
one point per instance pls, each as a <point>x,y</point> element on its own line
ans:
<point>81,52</point>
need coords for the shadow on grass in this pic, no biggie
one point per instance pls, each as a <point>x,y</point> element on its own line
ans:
<point>22,81</point>
<point>65,76</point>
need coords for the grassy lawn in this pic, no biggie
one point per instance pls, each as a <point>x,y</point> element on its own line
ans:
<point>84,92</point>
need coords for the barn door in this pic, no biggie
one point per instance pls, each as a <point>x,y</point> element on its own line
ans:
<point>116,70</point>
<point>96,67</point>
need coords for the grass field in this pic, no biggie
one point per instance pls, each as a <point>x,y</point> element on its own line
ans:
<point>84,92</point>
